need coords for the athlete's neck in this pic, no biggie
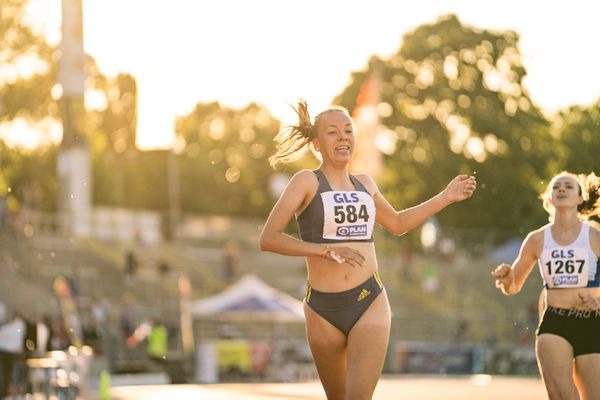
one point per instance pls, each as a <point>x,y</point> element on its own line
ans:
<point>566,221</point>
<point>338,178</point>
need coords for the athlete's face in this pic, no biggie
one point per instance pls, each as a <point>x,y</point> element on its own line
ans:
<point>335,137</point>
<point>565,192</point>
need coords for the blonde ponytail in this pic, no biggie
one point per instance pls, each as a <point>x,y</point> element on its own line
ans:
<point>293,140</point>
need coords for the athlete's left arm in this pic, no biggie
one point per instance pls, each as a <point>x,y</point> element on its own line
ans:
<point>595,238</point>
<point>585,301</point>
<point>400,222</point>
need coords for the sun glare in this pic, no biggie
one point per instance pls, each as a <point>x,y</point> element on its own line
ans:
<point>185,52</point>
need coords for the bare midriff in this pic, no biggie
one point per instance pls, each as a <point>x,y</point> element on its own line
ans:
<point>328,276</point>
<point>568,298</point>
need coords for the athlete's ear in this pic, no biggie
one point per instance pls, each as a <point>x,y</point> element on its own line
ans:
<point>315,143</point>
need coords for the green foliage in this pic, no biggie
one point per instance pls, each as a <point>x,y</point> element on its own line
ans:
<point>25,92</point>
<point>111,126</point>
<point>578,128</point>
<point>224,168</point>
<point>453,98</point>
<point>25,178</point>
<point>452,101</point>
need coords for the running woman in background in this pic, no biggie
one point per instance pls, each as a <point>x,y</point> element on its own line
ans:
<point>347,312</point>
<point>566,249</point>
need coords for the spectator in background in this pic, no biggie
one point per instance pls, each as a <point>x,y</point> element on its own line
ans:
<point>100,320</point>
<point>12,338</point>
<point>3,212</point>
<point>430,281</point>
<point>406,262</point>
<point>44,335</point>
<point>127,315</point>
<point>164,269</point>
<point>132,261</point>
<point>230,261</point>
<point>158,341</point>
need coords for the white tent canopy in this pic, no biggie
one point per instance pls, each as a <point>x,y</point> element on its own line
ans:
<point>250,297</point>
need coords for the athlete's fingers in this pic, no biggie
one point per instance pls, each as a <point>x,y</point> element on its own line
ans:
<point>500,271</point>
<point>353,263</point>
<point>587,301</point>
<point>353,254</point>
<point>356,259</point>
<point>359,254</point>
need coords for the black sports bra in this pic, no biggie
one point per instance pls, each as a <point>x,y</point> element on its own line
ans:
<point>338,216</point>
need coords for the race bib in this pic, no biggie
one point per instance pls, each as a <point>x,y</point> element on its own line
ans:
<point>348,215</point>
<point>565,267</point>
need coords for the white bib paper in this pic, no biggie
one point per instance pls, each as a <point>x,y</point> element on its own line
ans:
<point>348,215</point>
<point>565,267</point>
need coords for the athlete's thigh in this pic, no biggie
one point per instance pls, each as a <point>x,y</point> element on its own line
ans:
<point>328,348</point>
<point>555,359</point>
<point>367,348</point>
<point>587,375</point>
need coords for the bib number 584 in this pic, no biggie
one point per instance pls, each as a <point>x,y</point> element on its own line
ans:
<point>349,213</point>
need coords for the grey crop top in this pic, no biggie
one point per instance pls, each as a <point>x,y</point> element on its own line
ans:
<point>335,216</point>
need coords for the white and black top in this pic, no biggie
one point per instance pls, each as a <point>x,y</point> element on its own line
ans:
<point>571,266</point>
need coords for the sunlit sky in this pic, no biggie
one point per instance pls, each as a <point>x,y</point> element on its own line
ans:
<point>273,52</point>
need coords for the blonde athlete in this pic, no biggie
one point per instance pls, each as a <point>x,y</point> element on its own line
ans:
<point>347,311</point>
<point>566,249</point>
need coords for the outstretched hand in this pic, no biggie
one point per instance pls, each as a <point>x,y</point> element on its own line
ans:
<point>461,188</point>
<point>505,277</point>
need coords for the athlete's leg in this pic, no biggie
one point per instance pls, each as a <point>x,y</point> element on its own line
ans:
<point>555,360</point>
<point>328,348</point>
<point>367,347</point>
<point>587,376</point>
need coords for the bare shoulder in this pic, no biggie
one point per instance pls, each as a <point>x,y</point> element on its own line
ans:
<point>368,182</point>
<point>536,236</point>
<point>594,231</point>
<point>534,242</point>
<point>305,178</point>
<point>594,227</point>
<point>303,184</point>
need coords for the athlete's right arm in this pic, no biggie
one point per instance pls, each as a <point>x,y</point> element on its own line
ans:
<point>510,278</point>
<point>273,238</point>
<point>298,192</point>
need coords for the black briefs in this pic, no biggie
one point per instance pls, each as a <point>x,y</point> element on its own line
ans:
<point>344,309</point>
<point>580,328</point>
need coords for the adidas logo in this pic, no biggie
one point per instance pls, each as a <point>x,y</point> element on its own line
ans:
<point>364,293</point>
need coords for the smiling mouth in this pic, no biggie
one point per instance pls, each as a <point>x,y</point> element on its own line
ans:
<point>343,148</point>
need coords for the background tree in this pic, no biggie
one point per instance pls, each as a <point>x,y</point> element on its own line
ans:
<point>224,168</point>
<point>27,77</point>
<point>453,101</point>
<point>29,93</point>
<point>578,128</point>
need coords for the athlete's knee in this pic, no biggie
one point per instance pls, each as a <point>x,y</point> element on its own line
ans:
<point>561,391</point>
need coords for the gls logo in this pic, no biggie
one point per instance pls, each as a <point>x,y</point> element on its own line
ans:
<point>559,253</point>
<point>345,198</point>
